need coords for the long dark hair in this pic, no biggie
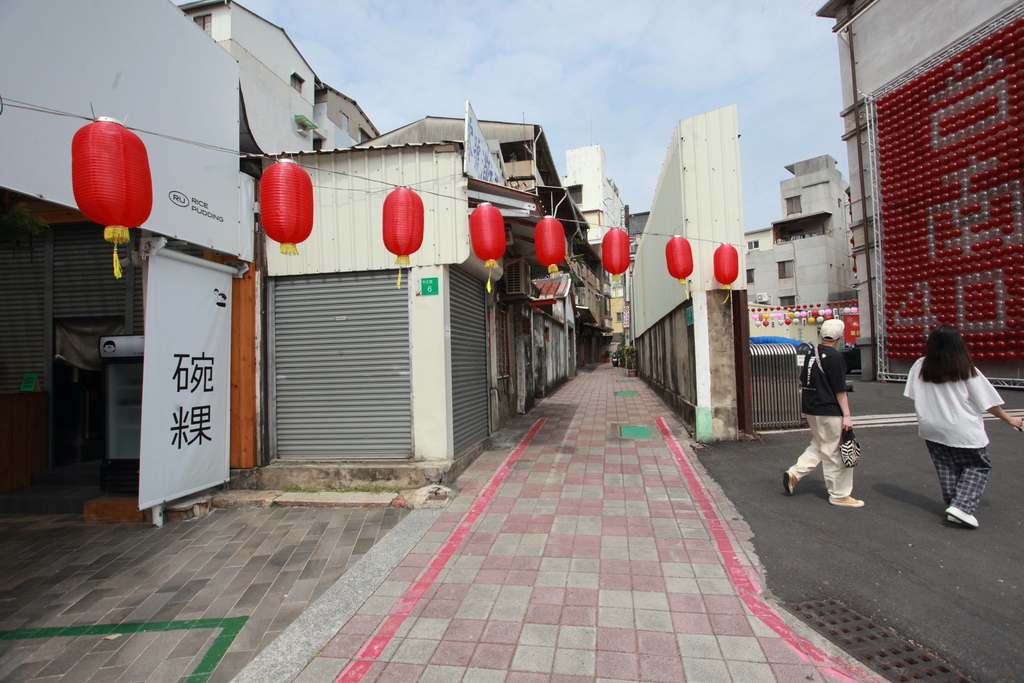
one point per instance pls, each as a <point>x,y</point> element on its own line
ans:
<point>946,358</point>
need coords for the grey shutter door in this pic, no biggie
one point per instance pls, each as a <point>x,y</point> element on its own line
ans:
<point>341,367</point>
<point>22,315</point>
<point>469,361</point>
<point>83,277</point>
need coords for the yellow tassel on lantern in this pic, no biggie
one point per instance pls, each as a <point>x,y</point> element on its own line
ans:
<point>686,288</point>
<point>729,290</point>
<point>553,268</point>
<point>402,261</point>
<point>116,234</point>
<point>289,248</point>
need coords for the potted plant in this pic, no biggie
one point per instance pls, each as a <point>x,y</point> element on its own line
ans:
<point>627,354</point>
<point>606,357</point>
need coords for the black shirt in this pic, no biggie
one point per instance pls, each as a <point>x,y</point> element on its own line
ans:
<point>819,388</point>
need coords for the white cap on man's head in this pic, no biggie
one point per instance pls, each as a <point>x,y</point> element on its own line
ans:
<point>832,329</point>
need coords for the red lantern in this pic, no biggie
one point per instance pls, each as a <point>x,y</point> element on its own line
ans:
<point>487,234</point>
<point>615,252</point>
<point>403,224</point>
<point>679,256</point>
<point>549,237</point>
<point>111,180</point>
<point>286,205</point>
<point>727,266</point>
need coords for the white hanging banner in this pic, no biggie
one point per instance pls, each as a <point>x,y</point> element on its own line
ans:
<point>186,378</point>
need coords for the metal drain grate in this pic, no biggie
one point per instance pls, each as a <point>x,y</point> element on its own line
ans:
<point>893,657</point>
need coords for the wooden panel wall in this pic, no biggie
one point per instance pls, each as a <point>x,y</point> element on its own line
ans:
<point>243,369</point>
<point>23,435</point>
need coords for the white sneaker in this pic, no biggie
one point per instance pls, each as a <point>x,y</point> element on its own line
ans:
<point>957,515</point>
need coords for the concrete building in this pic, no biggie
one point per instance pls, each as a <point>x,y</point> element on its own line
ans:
<point>804,258</point>
<point>594,192</point>
<point>284,106</point>
<point>933,128</point>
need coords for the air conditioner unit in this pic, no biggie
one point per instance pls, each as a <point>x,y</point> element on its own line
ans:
<point>762,298</point>
<point>517,278</point>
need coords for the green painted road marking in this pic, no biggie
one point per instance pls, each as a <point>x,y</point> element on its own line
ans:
<point>229,630</point>
<point>626,393</point>
<point>635,433</point>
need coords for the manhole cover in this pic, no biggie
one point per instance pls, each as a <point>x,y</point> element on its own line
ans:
<point>890,655</point>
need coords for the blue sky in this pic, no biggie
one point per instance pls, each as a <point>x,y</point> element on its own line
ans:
<point>619,74</point>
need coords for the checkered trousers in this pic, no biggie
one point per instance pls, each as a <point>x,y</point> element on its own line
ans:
<point>963,474</point>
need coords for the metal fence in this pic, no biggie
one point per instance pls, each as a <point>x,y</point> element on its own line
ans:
<point>775,379</point>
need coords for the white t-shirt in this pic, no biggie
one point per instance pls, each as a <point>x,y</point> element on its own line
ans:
<point>951,413</point>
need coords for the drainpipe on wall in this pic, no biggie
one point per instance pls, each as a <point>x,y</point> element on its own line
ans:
<point>866,222</point>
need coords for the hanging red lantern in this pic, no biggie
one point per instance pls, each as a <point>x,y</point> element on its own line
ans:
<point>111,180</point>
<point>487,234</point>
<point>615,252</point>
<point>549,238</point>
<point>286,205</point>
<point>403,225</point>
<point>679,256</point>
<point>727,266</point>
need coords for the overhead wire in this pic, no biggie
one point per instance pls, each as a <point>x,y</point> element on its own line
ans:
<point>17,104</point>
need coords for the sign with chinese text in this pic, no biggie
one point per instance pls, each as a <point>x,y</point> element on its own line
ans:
<point>479,162</point>
<point>186,379</point>
<point>428,286</point>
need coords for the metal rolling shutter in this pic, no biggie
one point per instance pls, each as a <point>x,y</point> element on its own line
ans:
<point>341,367</point>
<point>22,315</point>
<point>469,361</point>
<point>83,275</point>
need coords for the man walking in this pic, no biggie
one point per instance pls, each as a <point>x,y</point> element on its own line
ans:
<point>825,403</point>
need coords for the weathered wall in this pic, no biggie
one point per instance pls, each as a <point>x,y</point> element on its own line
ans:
<point>551,354</point>
<point>668,363</point>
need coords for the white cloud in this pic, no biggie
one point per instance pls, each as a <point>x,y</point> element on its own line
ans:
<point>619,74</point>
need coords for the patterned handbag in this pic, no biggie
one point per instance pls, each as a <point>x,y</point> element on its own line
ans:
<point>849,449</point>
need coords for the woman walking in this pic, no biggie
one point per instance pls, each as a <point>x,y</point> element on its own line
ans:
<point>950,396</point>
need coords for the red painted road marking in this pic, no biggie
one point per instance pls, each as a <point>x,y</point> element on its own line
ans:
<point>739,576</point>
<point>377,643</point>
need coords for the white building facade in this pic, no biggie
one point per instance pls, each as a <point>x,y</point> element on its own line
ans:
<point>805,257</point>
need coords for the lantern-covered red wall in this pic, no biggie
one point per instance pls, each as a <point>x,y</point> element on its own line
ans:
<point>615,251</point>
<point>950,153</point>
<point>111,180</point>
<point>286,205</point>
<point>403,224</point>
<point>549,238</point>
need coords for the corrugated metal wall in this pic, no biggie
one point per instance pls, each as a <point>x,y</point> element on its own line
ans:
<point>22,315</point>
<point>83,277</point>
<point>469,361</point>
<point>341,367</point>
<point>699,197</point>
<point>349,188</point>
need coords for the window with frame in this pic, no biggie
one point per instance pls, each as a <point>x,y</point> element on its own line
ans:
<point>297,82</point>
<point>793,205</point>
<point>787,301</point>
<point>786,269</point>
<point>750,276</point>
<point>205,22</point>
<point>501,342</point>
<point>753,245</point>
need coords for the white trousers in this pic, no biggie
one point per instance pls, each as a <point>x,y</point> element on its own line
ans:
<point>826,431</point>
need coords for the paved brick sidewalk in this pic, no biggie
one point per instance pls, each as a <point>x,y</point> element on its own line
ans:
<point>598,549</point>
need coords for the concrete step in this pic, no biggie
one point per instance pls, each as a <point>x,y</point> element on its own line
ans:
<point>426,497</point>
<point>47,500</point>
